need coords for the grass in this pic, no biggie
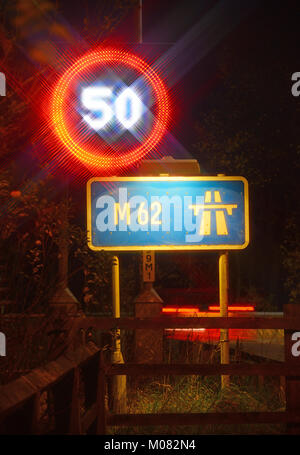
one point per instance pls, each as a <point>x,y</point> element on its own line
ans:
<point>190,394</point>
<point>196,394</point>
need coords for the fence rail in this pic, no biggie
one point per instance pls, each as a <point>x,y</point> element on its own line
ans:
<point>206,418</point>
<point>290,323</point>
<point>234,369</point>
<point>20,400</point>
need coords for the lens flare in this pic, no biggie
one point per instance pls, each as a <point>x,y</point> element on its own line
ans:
<point>101,155</point>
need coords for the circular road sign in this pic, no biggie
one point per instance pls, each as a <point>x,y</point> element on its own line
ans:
<point>109,109</point>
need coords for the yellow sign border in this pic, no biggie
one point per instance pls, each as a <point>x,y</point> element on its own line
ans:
<point>169,247</point>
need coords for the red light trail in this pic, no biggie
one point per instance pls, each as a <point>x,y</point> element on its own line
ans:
<point>213,308</point>
<point>232,308</point>
<point>180,310</point>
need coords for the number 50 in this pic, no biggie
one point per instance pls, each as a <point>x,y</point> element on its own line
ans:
<point>98,100</point>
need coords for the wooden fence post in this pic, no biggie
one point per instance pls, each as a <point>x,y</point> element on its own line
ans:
<point>25,419</point>
<point>292,387</point>
<point>101,411</point>
<point>36,407</point>
<point>62,398</point>
<point>75,421</point>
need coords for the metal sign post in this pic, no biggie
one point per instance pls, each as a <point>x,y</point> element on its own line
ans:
<point>119,395</point>
<point>223,297</point>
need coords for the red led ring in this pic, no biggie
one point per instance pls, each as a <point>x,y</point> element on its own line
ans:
<point>104,161</point>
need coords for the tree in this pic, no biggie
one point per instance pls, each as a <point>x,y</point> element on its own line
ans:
<point>250,128</point>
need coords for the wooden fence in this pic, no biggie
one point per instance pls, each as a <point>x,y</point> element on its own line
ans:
<point>67,391</point>
<point>19,400</point>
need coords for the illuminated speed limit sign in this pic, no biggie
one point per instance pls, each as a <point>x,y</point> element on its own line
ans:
<point>109,109</point>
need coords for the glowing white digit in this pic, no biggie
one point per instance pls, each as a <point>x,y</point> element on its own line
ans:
<point>92,99</point>
<point>128,107</point>
<point>128,97</point>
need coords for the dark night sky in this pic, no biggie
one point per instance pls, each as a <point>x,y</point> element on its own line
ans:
<point>267,28</point>
<point>256,43</point>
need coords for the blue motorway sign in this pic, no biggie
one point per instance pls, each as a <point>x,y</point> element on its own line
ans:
<point>167,213</point>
